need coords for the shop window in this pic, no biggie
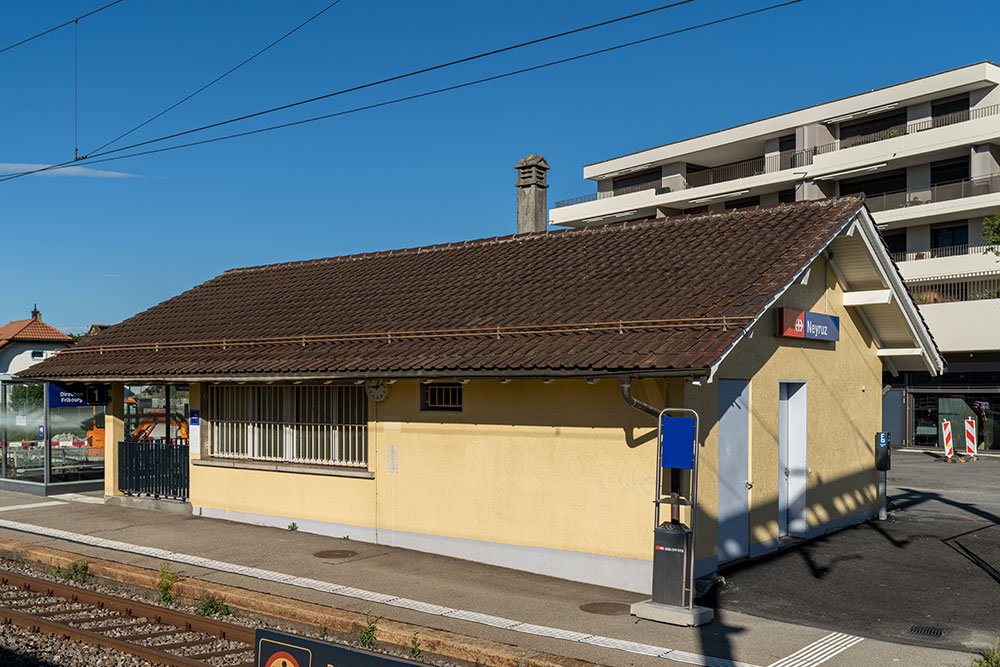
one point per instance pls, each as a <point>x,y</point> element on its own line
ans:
<point>441,397</point>
<point>299,424</point>
<point>930,411</point>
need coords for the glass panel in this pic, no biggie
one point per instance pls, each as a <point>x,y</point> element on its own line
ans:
<point>931,410</point>
<point>145,412</point>
<point>24,416</point>
<point>76,436</point>
<point>180,410</point>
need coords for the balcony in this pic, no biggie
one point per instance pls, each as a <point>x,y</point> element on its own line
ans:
<point>934,253</point>
<point>953,291</point>
<point>971,187</point>
<point>803,157</point>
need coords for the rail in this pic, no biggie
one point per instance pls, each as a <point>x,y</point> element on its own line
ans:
<point>947,251</point>
<point>793,159</point>
<point>160,635</point>
<point>976,289</point>
<point>969,187</point>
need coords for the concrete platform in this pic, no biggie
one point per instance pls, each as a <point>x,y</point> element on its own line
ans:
<point>673,615</point>
<point>485,602</point>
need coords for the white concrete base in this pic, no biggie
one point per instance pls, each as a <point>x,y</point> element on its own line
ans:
<point>667,613</point>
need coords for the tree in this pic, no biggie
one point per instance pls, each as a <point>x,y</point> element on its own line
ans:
<point>25,397</point>
<point>991,233</point>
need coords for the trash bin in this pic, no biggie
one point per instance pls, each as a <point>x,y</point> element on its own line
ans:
<point>671,546</point>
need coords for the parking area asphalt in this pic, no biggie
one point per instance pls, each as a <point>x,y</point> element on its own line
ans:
<point>934,564</point>
<point>733,639</point>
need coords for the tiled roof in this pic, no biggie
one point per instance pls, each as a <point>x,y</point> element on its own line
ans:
<point>628,297</point>
<point>31,330</point>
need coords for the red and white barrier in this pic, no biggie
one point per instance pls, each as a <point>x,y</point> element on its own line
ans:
<point>949,446</point>
<point>970,437</point>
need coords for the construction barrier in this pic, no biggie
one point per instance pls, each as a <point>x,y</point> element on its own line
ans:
<point>970,438</point>
<point>949,446</point>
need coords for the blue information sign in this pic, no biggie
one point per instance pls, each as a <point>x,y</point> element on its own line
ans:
<point>883,439</point>
<point>61,398</point>
<point>195,417</point>
<point>276,649</point>
<point>677,442</point>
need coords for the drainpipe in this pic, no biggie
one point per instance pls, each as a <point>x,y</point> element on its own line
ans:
<point>635,402</point>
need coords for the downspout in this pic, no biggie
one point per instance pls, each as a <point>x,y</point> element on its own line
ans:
<point>626,383</point>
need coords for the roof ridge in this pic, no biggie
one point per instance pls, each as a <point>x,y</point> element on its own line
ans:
<point>530,236</point>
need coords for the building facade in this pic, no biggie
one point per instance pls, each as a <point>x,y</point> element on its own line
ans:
<point>497,399</point>
<point>926,156</point>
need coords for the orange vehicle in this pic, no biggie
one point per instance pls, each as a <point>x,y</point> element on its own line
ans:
<point>138,425</point>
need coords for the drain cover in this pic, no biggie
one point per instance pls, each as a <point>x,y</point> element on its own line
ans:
<point>606,608</point>
<point>335,553</point>
<point>924,631</point>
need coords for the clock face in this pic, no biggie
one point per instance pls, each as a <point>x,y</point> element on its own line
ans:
<point>377,390</point>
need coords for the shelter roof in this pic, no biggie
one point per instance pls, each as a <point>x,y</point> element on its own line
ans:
<point>663,296</point>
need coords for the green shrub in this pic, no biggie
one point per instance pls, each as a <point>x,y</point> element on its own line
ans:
<point>366,635</point>
<point>990,657</point>
<point>212,606</point>
<point>77,571</point>
<point>415,652</point>
<point>167,579</point>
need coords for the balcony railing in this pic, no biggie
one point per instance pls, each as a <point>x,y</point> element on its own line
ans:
<point>970,187</point>
<point>976,289</point>
<point>947,251</point>
<point>797,158</point>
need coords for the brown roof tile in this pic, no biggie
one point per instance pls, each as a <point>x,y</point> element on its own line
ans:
<point>648,296</point>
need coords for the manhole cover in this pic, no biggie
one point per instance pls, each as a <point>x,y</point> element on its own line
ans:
<point>606,608</point>
<point>924,631</point>
<point>335,553</point>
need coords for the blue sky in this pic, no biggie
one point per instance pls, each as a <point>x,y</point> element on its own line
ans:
<point>99,247</point>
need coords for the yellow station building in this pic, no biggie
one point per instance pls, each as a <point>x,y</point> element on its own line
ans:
<point>494,399</point>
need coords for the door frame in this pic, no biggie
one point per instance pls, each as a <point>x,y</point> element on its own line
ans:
<point>793,457</point>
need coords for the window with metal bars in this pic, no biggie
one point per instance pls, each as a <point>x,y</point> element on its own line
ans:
<point>294,423</point>
<point>441,397</point>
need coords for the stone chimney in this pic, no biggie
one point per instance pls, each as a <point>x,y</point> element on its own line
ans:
<point>532,203</point>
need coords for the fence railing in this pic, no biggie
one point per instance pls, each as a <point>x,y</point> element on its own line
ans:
<point>797,158</point>
<point>325,425</point>
<point>975,289</point>
<point>970,187</point>
<point>948,251</point>
<point>157,468</point>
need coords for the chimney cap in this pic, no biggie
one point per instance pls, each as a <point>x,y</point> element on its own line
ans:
<point>532,161</point>
<point>35,314</point>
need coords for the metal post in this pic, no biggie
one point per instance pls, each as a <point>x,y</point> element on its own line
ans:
<point>881,495</point>
<point>694,487</point>
<point>47,440</point>
<point>166,413</point>
<point>3,428</point>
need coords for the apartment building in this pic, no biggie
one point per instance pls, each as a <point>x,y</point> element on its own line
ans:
<point>926,155</point>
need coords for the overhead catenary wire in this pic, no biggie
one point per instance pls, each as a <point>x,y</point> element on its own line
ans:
<point>61,25</point>
<point>95,159</point>
<point>220,77</point>
<point>365,85</point>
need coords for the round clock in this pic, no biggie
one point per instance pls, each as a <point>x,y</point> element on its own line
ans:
<point>377,390</point>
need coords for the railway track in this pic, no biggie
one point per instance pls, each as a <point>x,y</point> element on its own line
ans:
<point>160,635</point>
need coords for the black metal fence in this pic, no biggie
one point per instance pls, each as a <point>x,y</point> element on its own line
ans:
<point>157,468</point>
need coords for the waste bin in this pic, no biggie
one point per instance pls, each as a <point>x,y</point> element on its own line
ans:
<point>671,547</point>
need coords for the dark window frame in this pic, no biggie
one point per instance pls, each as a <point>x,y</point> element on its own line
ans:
<point>442,397</point>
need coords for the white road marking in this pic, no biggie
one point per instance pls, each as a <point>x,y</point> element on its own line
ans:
<point>79,498</point>
<point>31,506</point>
<point>404,603</point>
<point>819,651</point>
